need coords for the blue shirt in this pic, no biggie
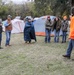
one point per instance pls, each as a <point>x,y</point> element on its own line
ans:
<point>6,23</point>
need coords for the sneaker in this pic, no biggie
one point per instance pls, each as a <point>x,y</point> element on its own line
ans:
<point>66,56</point>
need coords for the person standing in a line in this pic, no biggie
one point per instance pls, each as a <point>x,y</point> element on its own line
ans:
<point>8,29</point>
<point>71,37</point>
<point>48,27</point>
<point>29,31</point>
<point>64,29</point>
<point>56,28</point>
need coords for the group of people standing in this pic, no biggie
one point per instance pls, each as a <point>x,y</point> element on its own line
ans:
<point>56,25</point>
<point>71,37</point>
<point>29,31</point>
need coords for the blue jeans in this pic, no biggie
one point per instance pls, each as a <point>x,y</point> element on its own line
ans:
<point>8,35</point>
<point>56,37</point>
<point>47,37</point>
<point>70,47</point>
<point>64,36</point>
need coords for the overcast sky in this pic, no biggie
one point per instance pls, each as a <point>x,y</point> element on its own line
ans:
<point>18,1</point>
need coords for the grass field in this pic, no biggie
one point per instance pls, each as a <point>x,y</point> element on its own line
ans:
<point>34,59</point>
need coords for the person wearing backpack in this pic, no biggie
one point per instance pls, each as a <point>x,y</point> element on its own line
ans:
<point>64,27</point>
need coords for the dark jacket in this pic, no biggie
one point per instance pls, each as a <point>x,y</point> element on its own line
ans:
<point>29,31</point>
<point>0,29</point>
<point>57,25</point>
<point>65,25</point>
<point>48,24</point>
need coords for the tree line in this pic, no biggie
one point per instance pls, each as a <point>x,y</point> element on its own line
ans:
<point>36,9</point>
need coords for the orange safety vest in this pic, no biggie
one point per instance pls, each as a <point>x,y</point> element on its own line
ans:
<point>71,35</point>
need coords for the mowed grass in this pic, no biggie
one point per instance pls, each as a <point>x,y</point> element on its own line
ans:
<point>34,59</point>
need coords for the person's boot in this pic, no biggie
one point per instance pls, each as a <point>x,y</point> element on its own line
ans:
<point>29,41</point>
<point>66,56</point>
